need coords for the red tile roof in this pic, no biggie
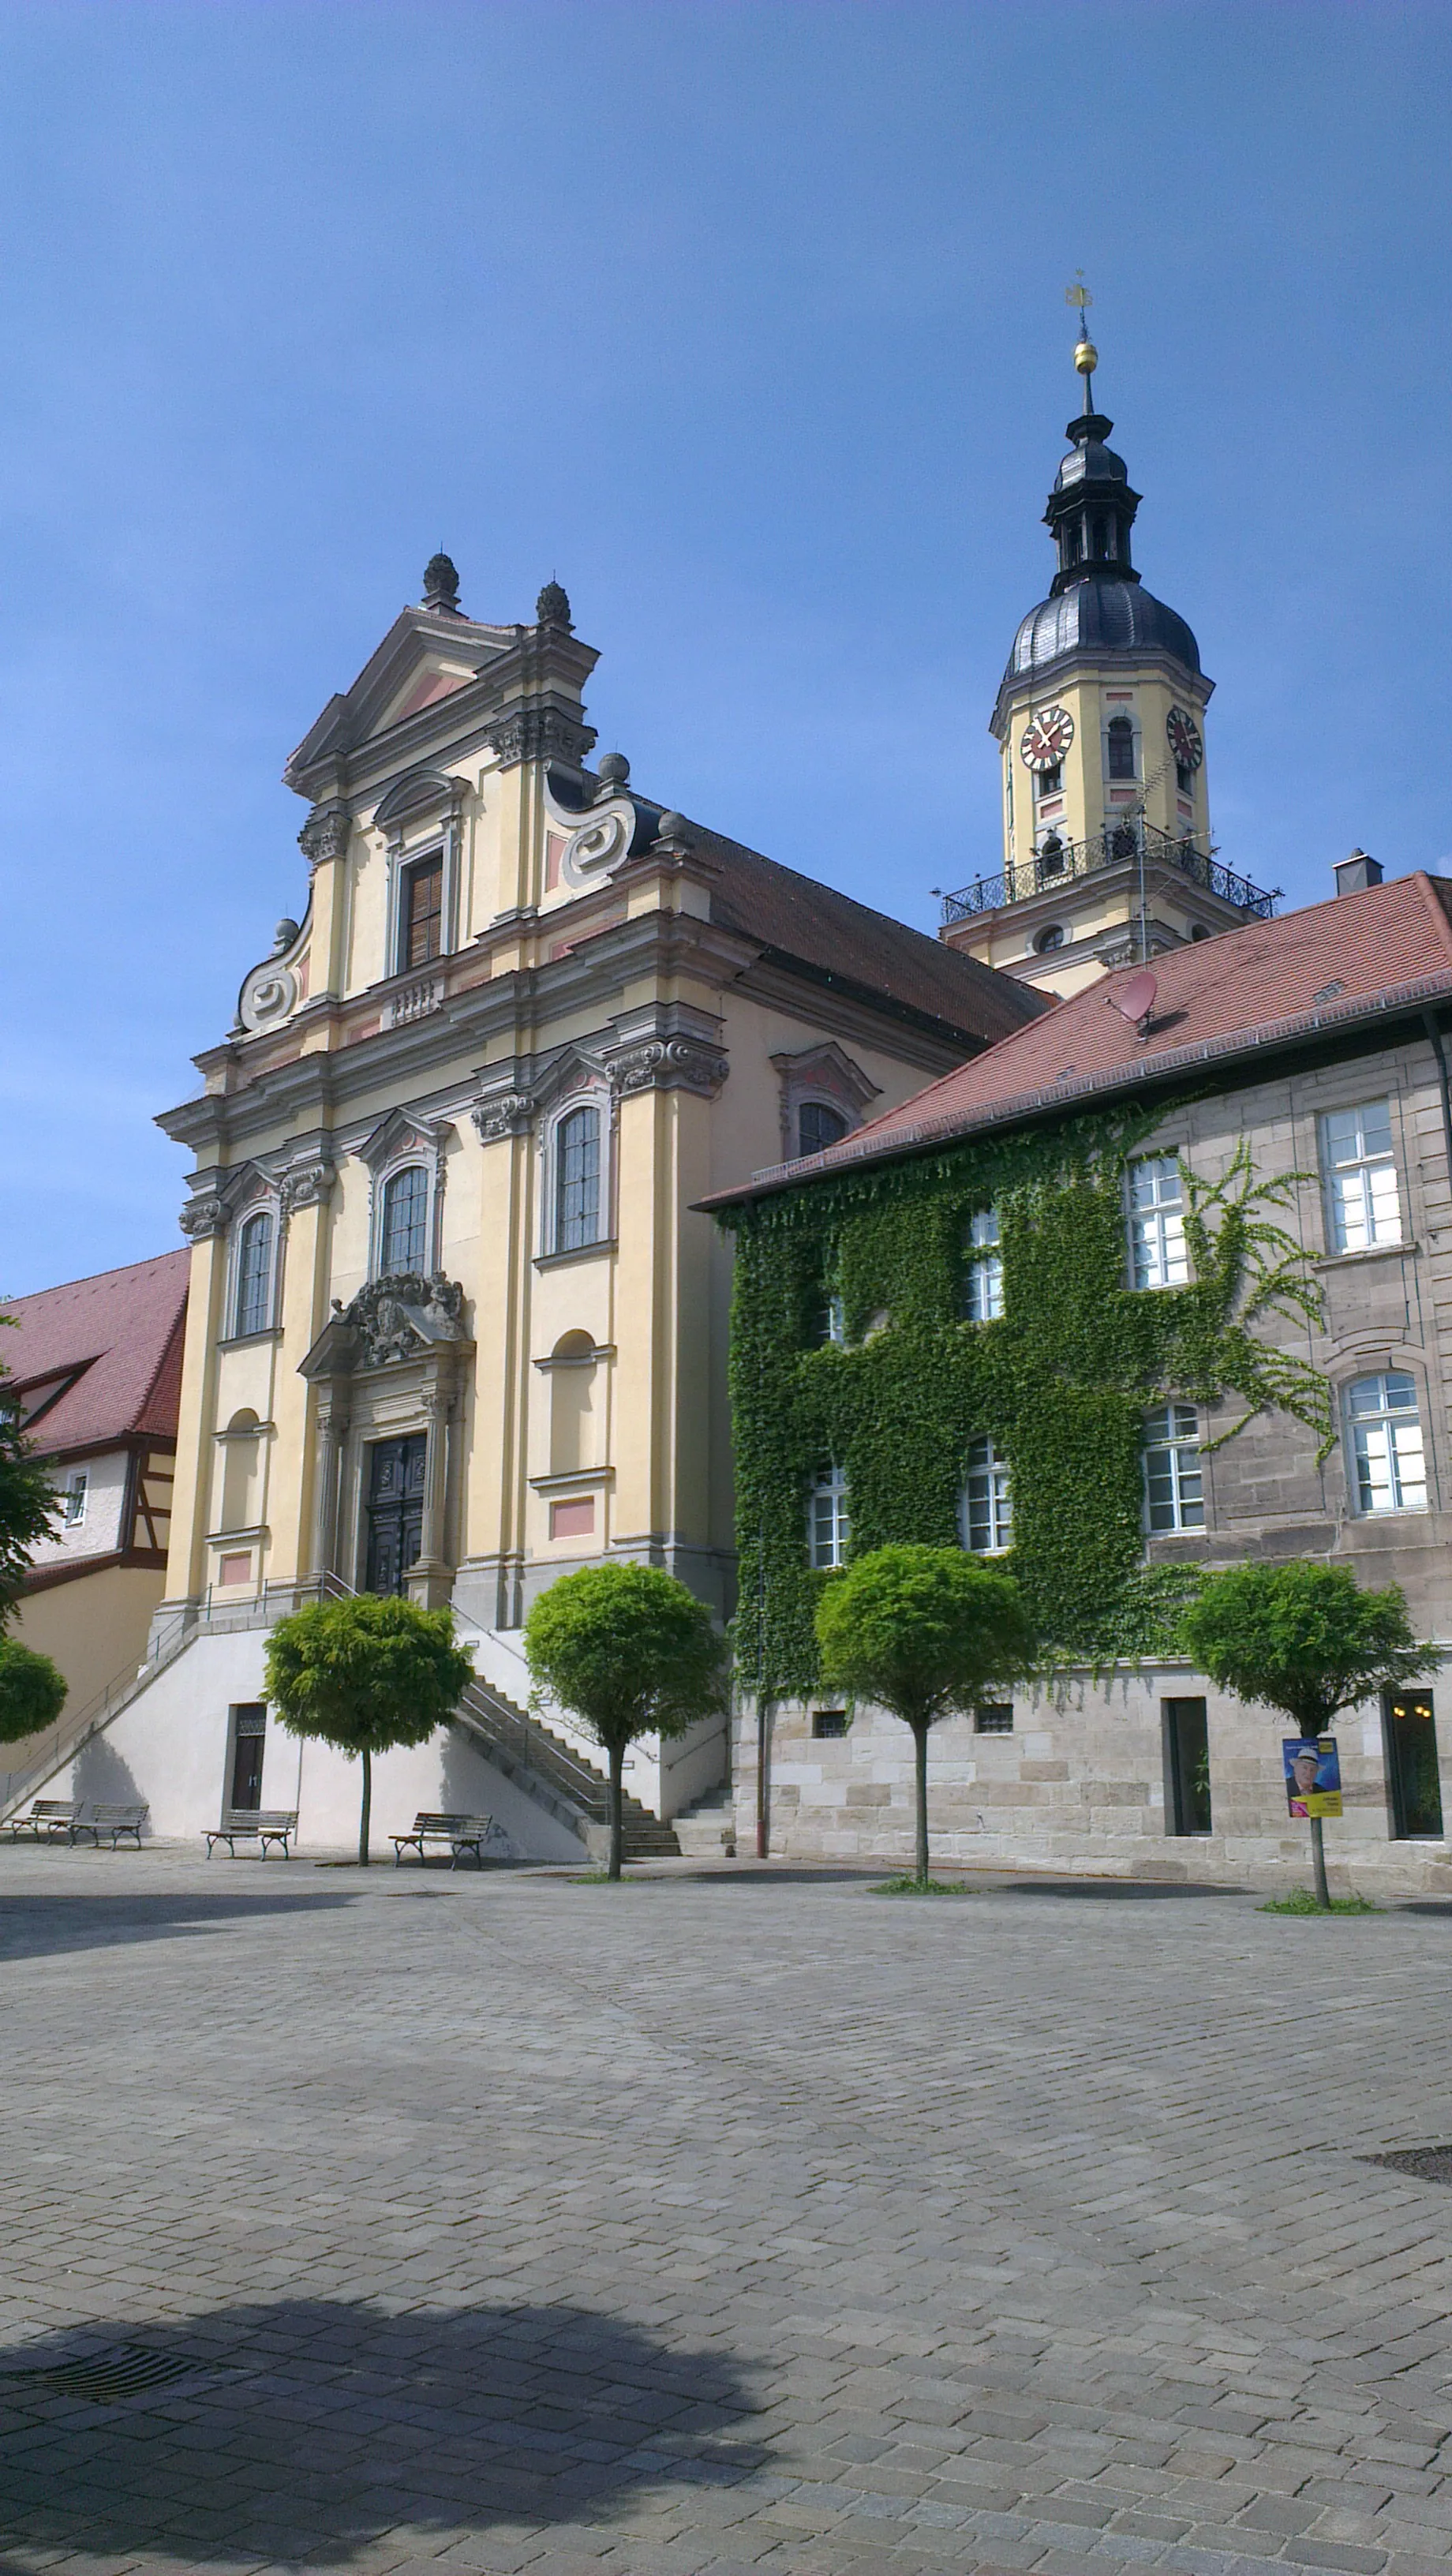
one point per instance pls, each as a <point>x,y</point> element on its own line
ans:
<point>855,948</point>
<point>1330,965</point>
<point>122,1331</point>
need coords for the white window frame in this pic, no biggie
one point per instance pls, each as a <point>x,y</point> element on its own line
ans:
<point>829,1520</point>
<point>1362,1211</point>
<point>596,1098</point>
<point>1159,1256</point>
<point>1400,1456</point>
<point>258,1205</point>
<point>440,841</point>
<point>983,1280</point>
<point>1179,1443</point>
<point>988,1469</point>
<point>410,1162</point>
<point>74,1493</point>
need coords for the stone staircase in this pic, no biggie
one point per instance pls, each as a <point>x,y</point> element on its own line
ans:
<point>706,1829</point>
<point>557,1776</point>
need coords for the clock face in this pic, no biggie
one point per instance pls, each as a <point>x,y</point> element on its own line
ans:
<point>1184,736</point>
<point>1046,737</point>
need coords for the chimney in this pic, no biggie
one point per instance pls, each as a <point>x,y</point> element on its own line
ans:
<point>1355,874</point>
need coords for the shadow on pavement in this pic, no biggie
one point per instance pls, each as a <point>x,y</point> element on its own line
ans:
<point>1117,1889</point>
<point>33,1927</point>
<point>314,2426</point>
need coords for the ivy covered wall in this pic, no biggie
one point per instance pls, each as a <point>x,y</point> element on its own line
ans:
<point>1060,1383</point>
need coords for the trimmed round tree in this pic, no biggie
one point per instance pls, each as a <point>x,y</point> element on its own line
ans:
<point>364,1675</point>
<point>1305,1640</point>
<point>32,1691</point>
<point>631,1652</point>
<point>923,1632</point>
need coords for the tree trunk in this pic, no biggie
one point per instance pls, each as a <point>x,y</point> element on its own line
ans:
<point>366,1811</point>
<point>920,1747</point>
<point>617,1829</point>
<point>1318,1863</point>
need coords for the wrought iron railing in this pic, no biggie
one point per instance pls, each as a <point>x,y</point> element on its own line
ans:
<point>1057,862</point>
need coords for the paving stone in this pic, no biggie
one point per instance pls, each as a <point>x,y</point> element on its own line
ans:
<point>723,2223</point>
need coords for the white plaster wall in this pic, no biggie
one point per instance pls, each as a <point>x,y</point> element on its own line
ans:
<point>100,1531</point>
<point>170,1748</point>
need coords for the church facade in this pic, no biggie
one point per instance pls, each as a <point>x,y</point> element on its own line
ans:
<point>455,1326</point>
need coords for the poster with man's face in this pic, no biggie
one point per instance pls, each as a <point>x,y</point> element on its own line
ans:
<point>1313,1774</point>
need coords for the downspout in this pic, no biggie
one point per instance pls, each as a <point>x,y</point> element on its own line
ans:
<point>1434,1039</point>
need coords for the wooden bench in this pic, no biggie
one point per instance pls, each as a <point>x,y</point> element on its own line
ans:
<point>255,1824</point>
<point>48,1820</point>
<point>114,1821</point>
<point>461,1833</point>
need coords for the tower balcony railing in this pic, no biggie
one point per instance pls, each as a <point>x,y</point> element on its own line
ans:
<point>1126,840</point>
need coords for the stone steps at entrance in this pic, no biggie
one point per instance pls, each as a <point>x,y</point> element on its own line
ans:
<point>556,1775</point>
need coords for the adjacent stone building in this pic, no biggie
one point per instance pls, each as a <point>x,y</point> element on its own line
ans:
<point>1041,1267</point>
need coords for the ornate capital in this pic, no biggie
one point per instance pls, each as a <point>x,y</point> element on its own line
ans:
<point>304,1184</point>
<point>325,833</point>
<point>669,1064</point>
<point>541,730</point>
<point>505,1113</point>
<point>204,1215</point>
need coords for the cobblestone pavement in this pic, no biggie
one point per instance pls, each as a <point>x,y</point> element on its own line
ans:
<point>717,2222</point>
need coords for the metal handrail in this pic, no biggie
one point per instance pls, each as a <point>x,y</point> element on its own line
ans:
<point>1056,862</point>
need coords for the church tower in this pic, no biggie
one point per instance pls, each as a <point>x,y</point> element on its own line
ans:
<point>1100,720</point>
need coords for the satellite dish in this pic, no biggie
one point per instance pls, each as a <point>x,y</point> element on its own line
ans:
<point>1136,999</point>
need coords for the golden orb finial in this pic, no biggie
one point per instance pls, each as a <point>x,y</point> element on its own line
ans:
<point>1086,356</point>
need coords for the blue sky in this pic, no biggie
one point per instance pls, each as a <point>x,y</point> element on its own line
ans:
<point>746,320</point>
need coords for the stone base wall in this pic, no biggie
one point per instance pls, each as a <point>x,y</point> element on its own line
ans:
<point>1082,1784</point>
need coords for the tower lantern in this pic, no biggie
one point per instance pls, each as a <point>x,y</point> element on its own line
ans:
<point>1107,855</point>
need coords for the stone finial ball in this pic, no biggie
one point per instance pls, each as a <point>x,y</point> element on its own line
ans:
<point>613,770</point>
<point>283,936</point>
<point>552,608</point>
<point>441,583</point>
<point>674,827</point>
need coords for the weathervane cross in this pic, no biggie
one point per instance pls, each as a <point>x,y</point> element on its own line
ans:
<point>1079,294</point>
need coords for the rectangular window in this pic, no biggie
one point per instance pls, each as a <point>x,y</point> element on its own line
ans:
<point>983,1280</point>
<point>1363,1206</point>
<point>1413,1772</point>
<point>423,913</point>
<point>993,1717</point>
<point>1049,782</point>
<point>75,1501</point>
<point>985,1504</point>
<point>1174,1496</point>
<point>829,1323</point>
<point>1187,1753</point>
<point>1386,1443</point>
<point>577,1180</point>
<point>1157,1253</point>
<point>828,1723</point>
<point>828,1527</point>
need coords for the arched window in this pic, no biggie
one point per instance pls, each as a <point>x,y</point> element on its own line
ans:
<point>403,1240</point>
<point>1121,747</point>
<point>254,1275</point>
<point>577,1180</point>
<point>818,1127</point>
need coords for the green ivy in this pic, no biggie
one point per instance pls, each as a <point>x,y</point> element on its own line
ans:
<point>1060,1383</point>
